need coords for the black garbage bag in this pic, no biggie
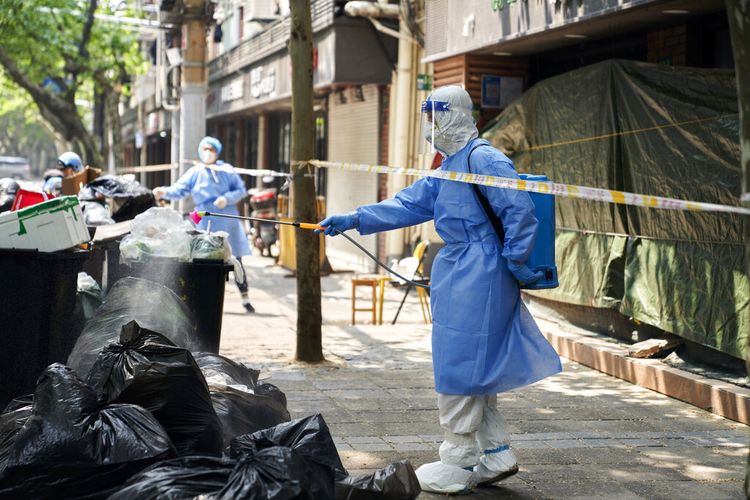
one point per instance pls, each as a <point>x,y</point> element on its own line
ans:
<point>152,305</point>
<point>396,481</point>
<point>95,213</point>
<point>275,473</point>
<point>271,391</point>
<point>128,197</point>
<point>88,295</point>
<point>310,439</point>
<point>243,405</point>
<point>222,369</point>
<point>75,446</point>
<point>8,189</point>
<point>186,477</point>
<point>146,369</point>
<point>12,420</point>
<point>243,412</point>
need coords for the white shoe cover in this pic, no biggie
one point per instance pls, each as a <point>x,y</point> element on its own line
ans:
<point>494,467</point>
<point>437,477</point>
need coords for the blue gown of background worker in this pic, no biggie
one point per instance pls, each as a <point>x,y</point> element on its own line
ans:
<point>206,186</point>
<point>216,190</point>
<point>484,340</point>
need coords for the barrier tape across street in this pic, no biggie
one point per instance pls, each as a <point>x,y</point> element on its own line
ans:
<point>553,188</point>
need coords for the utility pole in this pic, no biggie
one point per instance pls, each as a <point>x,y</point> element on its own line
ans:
<point>738,12</point>
<point>309,341</point>
<point>193,85</point>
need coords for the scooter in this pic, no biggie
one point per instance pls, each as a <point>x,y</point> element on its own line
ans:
<point>265,234</point>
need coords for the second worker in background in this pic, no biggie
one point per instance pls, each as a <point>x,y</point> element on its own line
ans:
<point>215,188</point>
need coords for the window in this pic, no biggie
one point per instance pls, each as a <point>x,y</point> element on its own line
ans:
<point>241,20</point>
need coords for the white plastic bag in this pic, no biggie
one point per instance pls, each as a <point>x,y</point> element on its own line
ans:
<point>214,246</point>
<point>157,232</point>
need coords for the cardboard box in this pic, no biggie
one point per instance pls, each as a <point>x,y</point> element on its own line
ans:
<point>49,226</point>
<point>72,185</point>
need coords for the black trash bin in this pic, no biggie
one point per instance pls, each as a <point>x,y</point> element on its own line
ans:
<point>199,283</point>
<point>36,315</point>
<point>103,264</point>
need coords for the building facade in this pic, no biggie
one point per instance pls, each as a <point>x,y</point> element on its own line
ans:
<point>248,107</point>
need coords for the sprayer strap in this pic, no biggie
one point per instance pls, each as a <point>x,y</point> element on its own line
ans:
<point>494,219</point>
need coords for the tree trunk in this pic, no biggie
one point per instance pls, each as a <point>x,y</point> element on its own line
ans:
<point>309,343</point>
<point>738,12</point>
<point>61,113</point>
<point>114,126</point>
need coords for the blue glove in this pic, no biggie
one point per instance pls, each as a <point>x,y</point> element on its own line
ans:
<point>341,223</point>
<point>523,274</point>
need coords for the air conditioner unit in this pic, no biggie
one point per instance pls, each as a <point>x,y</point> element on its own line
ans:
<point>261,10</point>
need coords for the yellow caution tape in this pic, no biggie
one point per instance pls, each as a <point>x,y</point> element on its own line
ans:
<point>554,188</point>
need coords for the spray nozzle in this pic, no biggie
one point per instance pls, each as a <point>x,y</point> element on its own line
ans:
<point>196,216</point>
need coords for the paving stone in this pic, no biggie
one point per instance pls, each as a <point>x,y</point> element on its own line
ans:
<point>527,458</point>
<point>687,490</point>
<point>641,442</point>
<point>604,456</point>
<point>567,488</point>
<point>404,447</point>
<point>530,445</point>
<point>432,437</point>
<point>403,439</point>
<point>567,443</point>
<point>394,428</point>
<point>364,439</point>
<point>381,446</point>
<point>344,430</point>
<point>542,436</point>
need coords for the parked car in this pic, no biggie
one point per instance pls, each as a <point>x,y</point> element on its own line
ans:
<point>15,167</point>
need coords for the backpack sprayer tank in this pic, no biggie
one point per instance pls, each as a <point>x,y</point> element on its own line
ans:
<point>542,257</point>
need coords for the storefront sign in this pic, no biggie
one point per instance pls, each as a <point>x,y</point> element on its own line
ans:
<point>424,82</point>
<point>262,81</point>
<point>234,90</point>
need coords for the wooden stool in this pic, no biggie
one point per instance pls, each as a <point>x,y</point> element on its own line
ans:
<point>371,281</point>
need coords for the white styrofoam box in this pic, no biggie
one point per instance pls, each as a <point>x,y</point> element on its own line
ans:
<point>53,225</point>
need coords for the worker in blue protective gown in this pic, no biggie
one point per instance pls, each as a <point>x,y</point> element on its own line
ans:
<point>484,341</point>
<point>216,188</point>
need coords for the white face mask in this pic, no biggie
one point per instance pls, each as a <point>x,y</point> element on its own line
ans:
<point>431,130</point>
<point>208,156</point>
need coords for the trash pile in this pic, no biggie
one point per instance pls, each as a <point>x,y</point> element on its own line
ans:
<point>8,189</point>
<point>140,416</point>
<point>120,195</point>
<point>33,219</point>
<point>162,233</point>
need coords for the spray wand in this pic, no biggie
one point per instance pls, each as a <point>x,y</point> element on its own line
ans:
<point>196,217</point>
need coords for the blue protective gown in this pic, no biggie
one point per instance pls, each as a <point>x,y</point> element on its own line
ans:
<point>205,186</point>
<point>484,340</point>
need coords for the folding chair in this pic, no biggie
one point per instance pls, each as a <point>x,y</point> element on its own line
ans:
<point>414,267</point>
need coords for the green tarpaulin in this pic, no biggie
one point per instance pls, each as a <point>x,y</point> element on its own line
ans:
<point>649,129</point>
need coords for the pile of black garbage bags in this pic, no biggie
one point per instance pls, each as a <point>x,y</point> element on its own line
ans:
<point>114,198</point>
<point>152,420</point>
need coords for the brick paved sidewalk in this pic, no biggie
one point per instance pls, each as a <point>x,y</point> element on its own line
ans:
<point>579,434</point>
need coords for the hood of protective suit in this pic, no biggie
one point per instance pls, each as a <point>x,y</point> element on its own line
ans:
<point>454,128</point>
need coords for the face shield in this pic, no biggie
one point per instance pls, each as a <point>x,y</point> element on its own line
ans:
<point>434,120</point>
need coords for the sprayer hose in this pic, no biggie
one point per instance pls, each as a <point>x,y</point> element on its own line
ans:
<point>364,250</point>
